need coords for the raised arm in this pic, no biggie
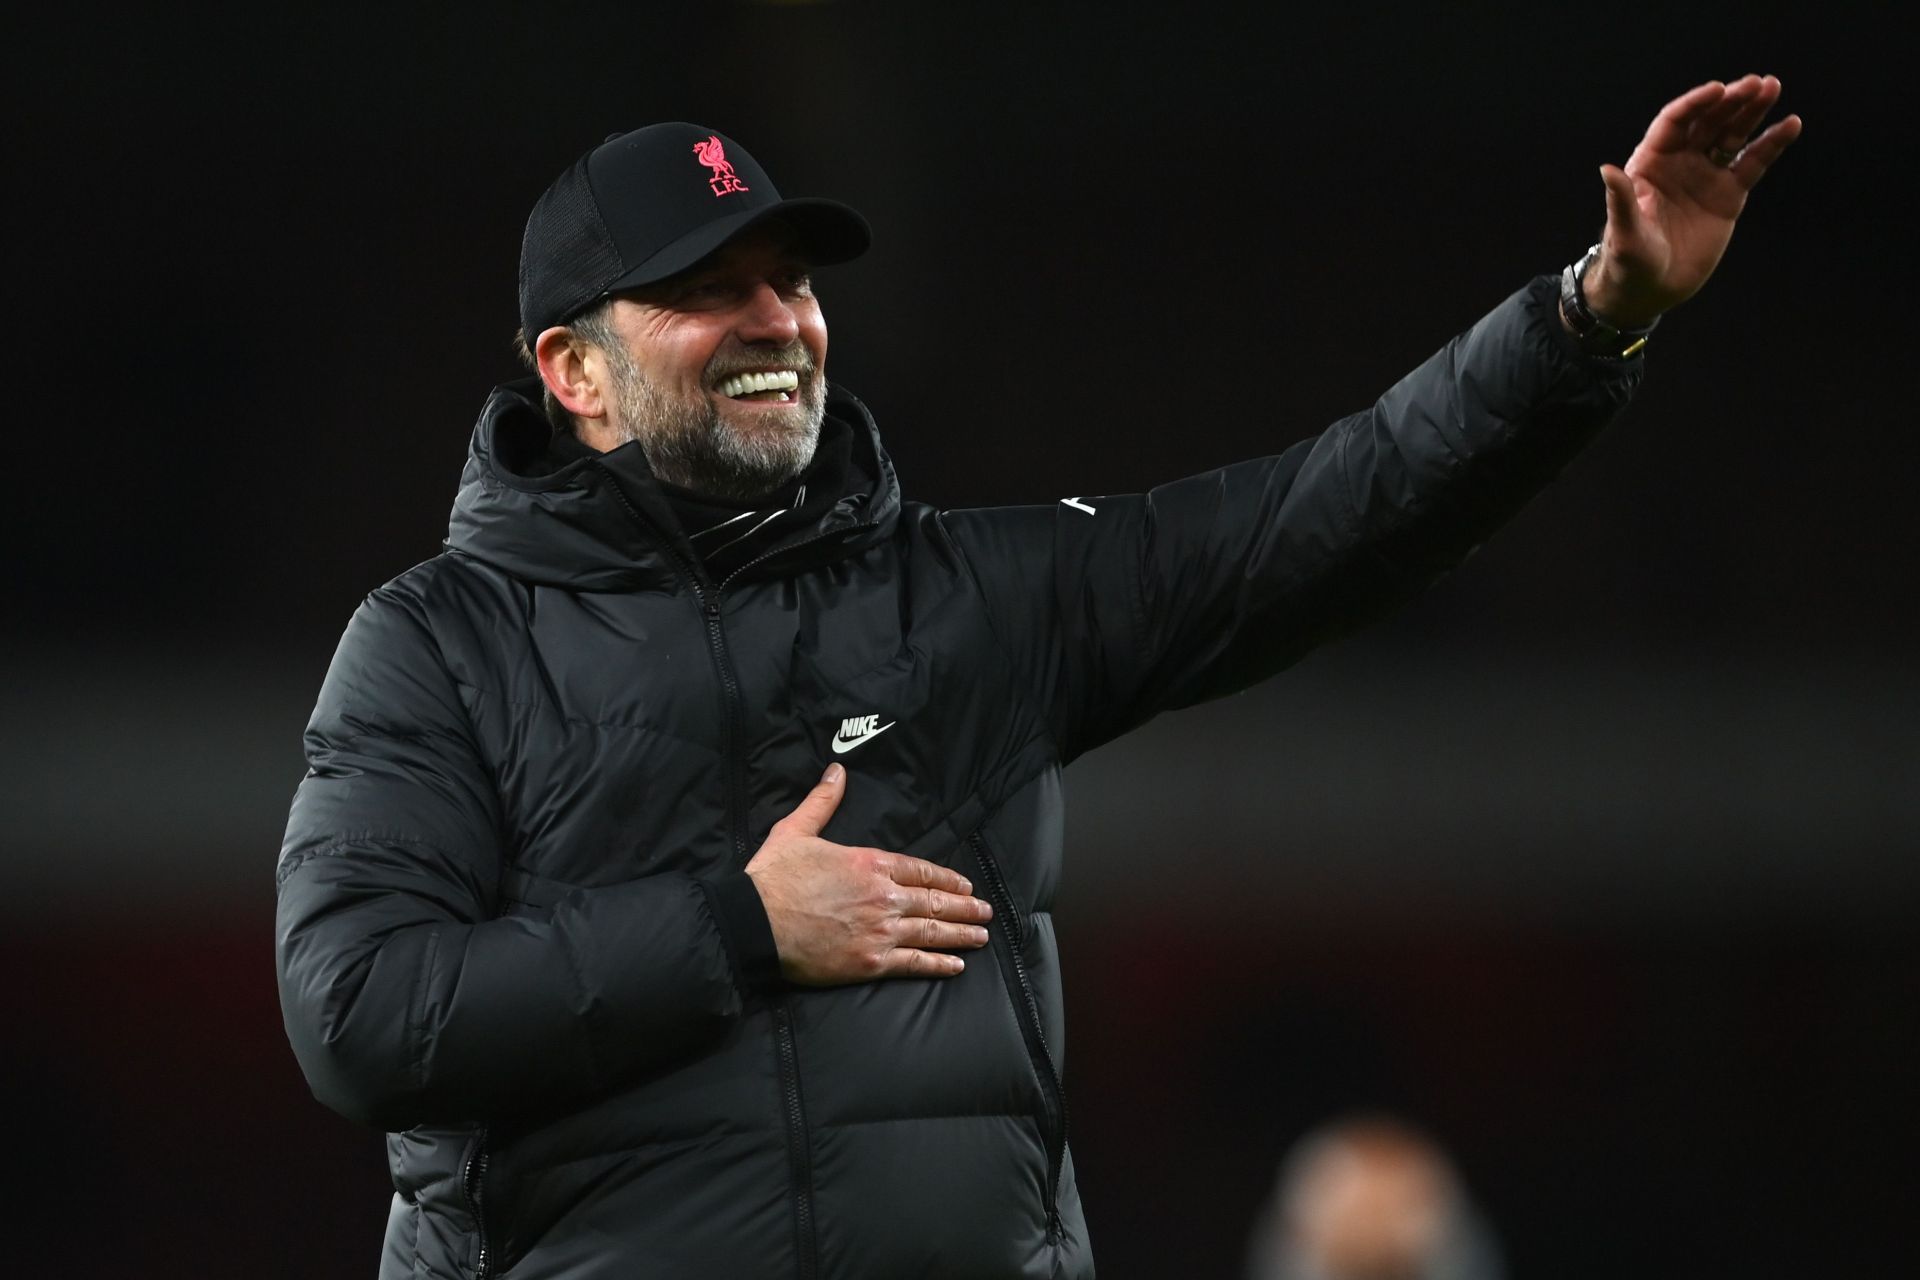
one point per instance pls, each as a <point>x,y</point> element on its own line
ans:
<point>1124,606</point>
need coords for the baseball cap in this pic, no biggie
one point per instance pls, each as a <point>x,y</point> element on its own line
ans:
<point>643,205</point>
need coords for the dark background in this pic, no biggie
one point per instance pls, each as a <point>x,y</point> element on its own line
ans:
<point>1597,862</point>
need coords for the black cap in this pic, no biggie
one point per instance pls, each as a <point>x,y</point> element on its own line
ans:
<point>643,205</point>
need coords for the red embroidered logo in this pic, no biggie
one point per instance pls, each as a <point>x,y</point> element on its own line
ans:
<point>714,156</point>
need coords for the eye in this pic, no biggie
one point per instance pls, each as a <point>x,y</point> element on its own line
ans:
<point>701,290</point>
<point>796,280</point>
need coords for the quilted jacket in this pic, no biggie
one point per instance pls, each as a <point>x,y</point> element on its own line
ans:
<point>513,929</point>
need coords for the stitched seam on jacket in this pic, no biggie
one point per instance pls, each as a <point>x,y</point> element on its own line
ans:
<point>418,609</point>
<point>665,1145</point>
<point>1455,413</point>
<point>1398,517</point>
<point>1025,1117</point>
<point>417,1010</point>
<point>587,1018</point>
<point>553,709</point>
<point>419,1263</point>
<point>1531,325</point>
<point>803,710</point>
<point>1346,474</point>
<point>356,842</point>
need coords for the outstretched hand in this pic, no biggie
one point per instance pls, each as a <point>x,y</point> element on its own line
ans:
<point>1671,210</point>
<point>846,914</point>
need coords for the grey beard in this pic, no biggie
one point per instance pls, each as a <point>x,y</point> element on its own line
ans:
<point>691,447</point>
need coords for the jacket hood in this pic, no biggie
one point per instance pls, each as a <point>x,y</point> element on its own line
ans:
<point>602,523</point>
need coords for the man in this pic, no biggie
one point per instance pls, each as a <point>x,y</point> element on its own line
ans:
<point>548,912</point>
<point>1370,1197</point>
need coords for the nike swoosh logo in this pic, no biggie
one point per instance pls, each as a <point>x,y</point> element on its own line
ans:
<point>1078,505</point>
<point>843,745</point>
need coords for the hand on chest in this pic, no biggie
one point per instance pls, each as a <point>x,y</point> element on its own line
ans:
<point>646,732</point>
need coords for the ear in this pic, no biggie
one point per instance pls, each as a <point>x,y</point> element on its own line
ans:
<point>573,370</point>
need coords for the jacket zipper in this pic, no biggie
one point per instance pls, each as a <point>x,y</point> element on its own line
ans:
<point>473,1175</point>
<point>799,1149</point>
<point>792,546</point>
<point>799,1146</point>
<point>473,1180</point>
<point>799,1152</point>
<point>731,726</point>
<point>1008,933</point>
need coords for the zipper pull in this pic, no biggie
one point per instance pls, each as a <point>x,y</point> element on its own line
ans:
<point>712,609</point>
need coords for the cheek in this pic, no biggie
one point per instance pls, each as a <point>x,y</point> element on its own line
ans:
<point>685,364</point>
<point>813,332</point>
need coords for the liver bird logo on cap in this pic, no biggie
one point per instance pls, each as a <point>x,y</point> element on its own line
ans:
<point>714,156</point>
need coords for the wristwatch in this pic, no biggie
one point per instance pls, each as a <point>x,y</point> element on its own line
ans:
<point>1595,336</point>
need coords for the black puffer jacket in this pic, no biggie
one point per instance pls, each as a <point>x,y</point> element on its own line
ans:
<point>511,922</point>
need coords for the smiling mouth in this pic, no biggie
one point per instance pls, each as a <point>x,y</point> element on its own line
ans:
<point>774,386</point>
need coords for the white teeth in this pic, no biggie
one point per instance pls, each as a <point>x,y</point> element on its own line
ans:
<point>745,383</point>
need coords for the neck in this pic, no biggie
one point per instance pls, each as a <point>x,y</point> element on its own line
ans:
<point>597,434</point>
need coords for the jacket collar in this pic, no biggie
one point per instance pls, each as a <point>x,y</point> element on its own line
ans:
<point>602,523</point>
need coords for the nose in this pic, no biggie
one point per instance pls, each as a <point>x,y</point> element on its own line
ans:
<point>765,316</point>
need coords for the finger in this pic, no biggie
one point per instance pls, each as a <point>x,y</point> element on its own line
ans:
<point>918,873</point>
<point>1716,123</point>
<point>1746,112</point>
<point>1670,129</point>
<point>1623,211</point>
<point>809,818</point>
<point>936,905</point>
<point>905,962</point>
<point>937,935</point>
<point>1764,150</point>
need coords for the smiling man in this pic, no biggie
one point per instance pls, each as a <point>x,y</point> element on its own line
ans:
<point>549,913</point>
<point>718,371</point>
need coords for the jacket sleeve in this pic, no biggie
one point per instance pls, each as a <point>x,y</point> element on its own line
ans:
<point>408,999</point>
<point>1209,584</point>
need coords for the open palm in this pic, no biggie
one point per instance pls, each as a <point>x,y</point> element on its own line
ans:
<point>1671,210</point>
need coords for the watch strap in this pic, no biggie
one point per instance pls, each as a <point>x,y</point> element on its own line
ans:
<point>1594,334</point>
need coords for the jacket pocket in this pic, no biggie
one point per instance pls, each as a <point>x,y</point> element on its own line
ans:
<point>473,1189</point>
<point>1008,932</point>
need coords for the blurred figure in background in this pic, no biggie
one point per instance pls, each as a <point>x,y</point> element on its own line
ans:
<point>1371,1198</point>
